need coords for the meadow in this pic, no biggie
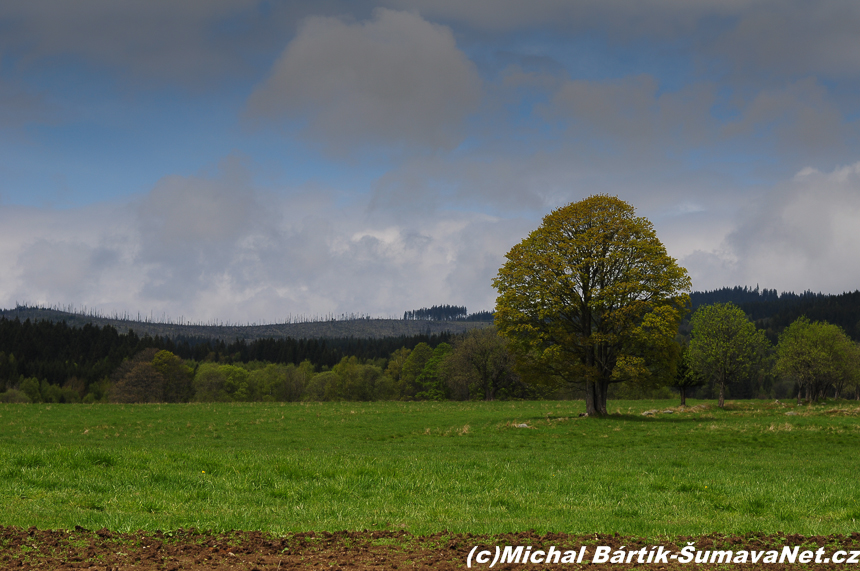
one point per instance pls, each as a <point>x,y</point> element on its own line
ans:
<point>426,467</point>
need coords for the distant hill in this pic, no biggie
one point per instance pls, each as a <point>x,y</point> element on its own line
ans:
<point>770,310</point>
<point>363,328</point>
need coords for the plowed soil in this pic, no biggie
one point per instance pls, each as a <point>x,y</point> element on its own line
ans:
<point>103,550</point>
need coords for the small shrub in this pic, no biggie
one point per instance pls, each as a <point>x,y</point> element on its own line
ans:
<point>14,396</point>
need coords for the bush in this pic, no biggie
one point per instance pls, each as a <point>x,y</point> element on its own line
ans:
<point>209,384</point>
<point>385,388</point>
<point>50,393</point>
<point>69,395</point>
<point>143,383</point>
<point>14,396</point>
<point>30,387</point>
<point>322,387</point>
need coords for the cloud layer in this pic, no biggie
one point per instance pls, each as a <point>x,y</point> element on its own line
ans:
<point>247,160</point>
<point>216,248</point>
<point>803,234</point>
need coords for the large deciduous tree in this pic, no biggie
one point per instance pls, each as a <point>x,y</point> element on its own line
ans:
<point>725,346</point>
<point>592,297</point>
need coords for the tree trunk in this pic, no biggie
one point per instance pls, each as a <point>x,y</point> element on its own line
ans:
<point>602,390</point>
<point>722,394</point>
<point>590,408</point>
<point>683,396</point>
<point>490,393</point>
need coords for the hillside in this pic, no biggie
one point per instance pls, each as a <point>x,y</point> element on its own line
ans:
<point>771,311</point>
<point>357,328</point>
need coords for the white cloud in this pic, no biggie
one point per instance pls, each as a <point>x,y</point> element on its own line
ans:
<point>80,256</point>
<point>214,247</point>
<point>395,81</point>
<point>192,212</point>
<point>801,235</point>
<point>217,248</point>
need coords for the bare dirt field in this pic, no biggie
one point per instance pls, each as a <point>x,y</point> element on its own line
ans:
<point>103,550</point>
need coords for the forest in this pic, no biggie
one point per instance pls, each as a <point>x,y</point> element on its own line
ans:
<point>70,363</point>
<point>774,312</point>
<point>46,361</point>
<point>446,313</point>
<point>51,362</point>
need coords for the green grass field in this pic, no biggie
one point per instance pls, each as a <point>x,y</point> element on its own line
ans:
<point>427,467</point>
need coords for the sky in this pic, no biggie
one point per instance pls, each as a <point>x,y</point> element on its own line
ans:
<point>255,161</point>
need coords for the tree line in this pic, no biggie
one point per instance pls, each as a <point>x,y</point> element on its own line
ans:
<point>446,313</point>
<point>475,365</point>
<point>82,358</point>
<point>810,361</point>
<point>724,356</point>
<point>742,296</point>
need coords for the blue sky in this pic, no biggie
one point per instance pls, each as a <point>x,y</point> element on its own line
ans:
<point>246,160</point>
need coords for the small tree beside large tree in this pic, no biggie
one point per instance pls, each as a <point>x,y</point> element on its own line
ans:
<point>817,356</point>
<point>685,377</point>
<point>725,346</point>
<point>592,297</point>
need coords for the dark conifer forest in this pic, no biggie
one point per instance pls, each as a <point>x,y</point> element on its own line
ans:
<point>446,313</point>
<point>774,312</point>
<point>56,352</point>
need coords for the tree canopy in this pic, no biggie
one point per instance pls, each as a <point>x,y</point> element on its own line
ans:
<point>817,356</point>
<point>592,297</point>
<point>724,345</point>
<point>482,364</point>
